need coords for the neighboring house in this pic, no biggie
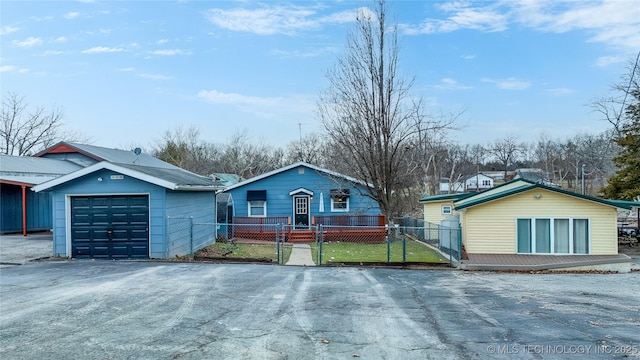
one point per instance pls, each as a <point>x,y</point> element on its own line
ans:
<point>125,204</point>
<point>478,182</point>
<point>22,210</point>
<point>299,192</point>
<point>522,217</point>
<point>533,175</point>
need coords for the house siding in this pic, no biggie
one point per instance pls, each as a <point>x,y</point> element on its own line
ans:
<point>39,216</point>
<point>89,185</point>
<point>199,206</point>
<point>280,203</point>
<point>433,211</point>
<point>491,227</point>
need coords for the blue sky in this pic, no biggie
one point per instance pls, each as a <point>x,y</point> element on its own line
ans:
<point>127,71</point>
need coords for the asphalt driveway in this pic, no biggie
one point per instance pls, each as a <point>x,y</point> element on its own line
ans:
<point>16,249</point>
<point>156,310</point>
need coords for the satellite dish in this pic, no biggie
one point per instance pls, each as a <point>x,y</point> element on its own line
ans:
<point>137,151</point>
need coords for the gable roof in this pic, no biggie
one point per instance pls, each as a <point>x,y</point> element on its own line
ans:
<point>445,197</point>
<point>27,170</point>
<point>99,153</point>
<point>293,166</point>
<point>520,185</point>
<point>172,179</point>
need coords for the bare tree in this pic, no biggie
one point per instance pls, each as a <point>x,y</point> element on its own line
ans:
<point>184,147</point>
<point>247,158</point>
<point>613,107</point>
<point>368,111</point>
<point>26,130</point>
<point>309,149</point>
<point>505,150</point>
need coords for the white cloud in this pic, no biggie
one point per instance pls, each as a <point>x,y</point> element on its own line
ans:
<point>468,57</point>
<point>216,97</point>
<point>155,76</point>
<point>171,52</point>
<point>162,41</point>
<point>614,22</point>
<point>127,69</point>
<point>264,21</point>
<point>28,42</point>
<point>462,16</point>
<point>608,60</point>
<point>71,15</point>
<point>7,68</point>
<point>8,29</point>
<point>101,49</point>
<point>62,39</point>
<point>52,52</point>
<point>305,54</point>
<point>559,91</point>
<point>509,83</point>
<point>451,84</point>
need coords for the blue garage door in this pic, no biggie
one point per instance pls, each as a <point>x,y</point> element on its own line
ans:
<point>110,227</point>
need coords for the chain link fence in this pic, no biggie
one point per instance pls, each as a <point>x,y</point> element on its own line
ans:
<point>432,244</point>
<point>330,244</point>
<point>185,236</point>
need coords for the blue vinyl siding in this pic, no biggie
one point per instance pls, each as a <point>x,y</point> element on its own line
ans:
<point>280,203</point>
<point>38,210</point>
<point>200,206</point>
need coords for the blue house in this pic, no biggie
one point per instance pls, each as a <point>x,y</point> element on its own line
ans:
<point>138,207</point>
<point>299,194</point>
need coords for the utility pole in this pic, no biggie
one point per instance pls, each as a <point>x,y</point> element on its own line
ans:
<point>583,165</point>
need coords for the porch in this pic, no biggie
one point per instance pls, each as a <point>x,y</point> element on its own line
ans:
<point>347,228</point>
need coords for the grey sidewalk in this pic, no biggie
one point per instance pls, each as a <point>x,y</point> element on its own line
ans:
<point>301,255</point>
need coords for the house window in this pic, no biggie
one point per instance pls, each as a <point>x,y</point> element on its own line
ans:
<point>552,236</point>
<point>446,209</point>
<point>340,200</point>
<point>257,202</point>
<point>257,208</point>
<point>486,182</point>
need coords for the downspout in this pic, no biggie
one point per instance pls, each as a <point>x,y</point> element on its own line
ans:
<point>24,210</point>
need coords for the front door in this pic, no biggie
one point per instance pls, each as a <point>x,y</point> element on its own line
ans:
<point>301,212</point>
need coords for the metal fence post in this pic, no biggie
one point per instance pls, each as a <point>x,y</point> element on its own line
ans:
<point>459,244</point>
<point>404,248</point>
<point>278,243</point>
<point>191,236</point>
<point>388,248</point>
<point>320,247</point>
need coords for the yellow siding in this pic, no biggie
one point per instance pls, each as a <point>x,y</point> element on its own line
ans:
<point>491,227</point>
<point>433,211</point>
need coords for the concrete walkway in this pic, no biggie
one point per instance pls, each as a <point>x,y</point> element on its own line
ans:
<point>301,255</point>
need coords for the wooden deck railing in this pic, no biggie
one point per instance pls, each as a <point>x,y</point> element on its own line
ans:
<point>349,220</point>
<point>267,220</point>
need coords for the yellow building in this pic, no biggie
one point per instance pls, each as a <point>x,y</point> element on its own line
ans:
<point>526,218</point>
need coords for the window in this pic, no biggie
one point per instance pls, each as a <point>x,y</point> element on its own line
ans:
<point>257,202</point>
<point>340,200</point>
<point>552,236</point>
<point>486,182</point>
<point>257,208</point>
<point>446,209</point>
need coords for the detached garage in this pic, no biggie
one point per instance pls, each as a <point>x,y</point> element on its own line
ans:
<point>121,211</point>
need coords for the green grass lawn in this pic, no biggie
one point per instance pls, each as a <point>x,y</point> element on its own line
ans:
<point>336,252</point>
<point>241,251</point>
